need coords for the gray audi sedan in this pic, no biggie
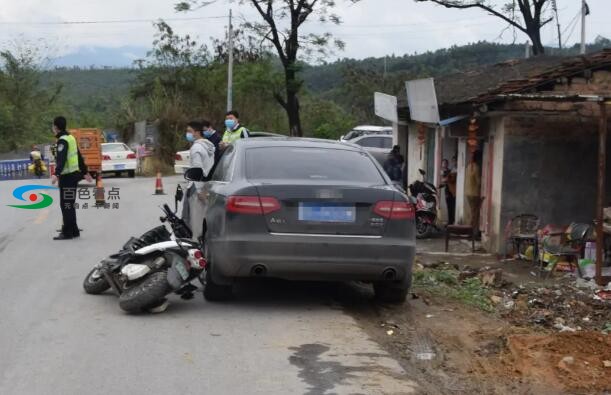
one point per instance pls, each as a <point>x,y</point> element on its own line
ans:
<point>305,209</point>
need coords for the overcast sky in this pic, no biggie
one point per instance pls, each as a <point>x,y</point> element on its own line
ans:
<point>370,28</point>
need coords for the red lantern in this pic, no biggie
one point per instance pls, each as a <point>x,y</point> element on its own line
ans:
<point>421,133</point>
<point>472,135</point>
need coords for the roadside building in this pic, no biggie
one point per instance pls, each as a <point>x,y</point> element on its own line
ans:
<point>533,125</point>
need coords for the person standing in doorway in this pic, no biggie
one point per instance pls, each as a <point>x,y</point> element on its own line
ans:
<point>449,182</point>
<point>233,129</point>
<point>69,170</point>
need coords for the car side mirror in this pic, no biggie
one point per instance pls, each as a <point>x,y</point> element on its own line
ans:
<point>195,174</point>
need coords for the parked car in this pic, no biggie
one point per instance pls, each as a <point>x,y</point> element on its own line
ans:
<point>363,130</point>
<point>181,159</point>
<point>118,158</point>
<point>305,209</point>
<point>378,145</point>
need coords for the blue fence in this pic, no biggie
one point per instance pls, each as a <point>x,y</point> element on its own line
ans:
<point>18,170</point>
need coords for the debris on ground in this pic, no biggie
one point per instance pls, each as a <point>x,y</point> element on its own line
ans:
<point>565,305</point>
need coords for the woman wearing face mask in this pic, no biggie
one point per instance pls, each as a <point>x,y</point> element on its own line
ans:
<point>201,155</point>
<point>233,129</point>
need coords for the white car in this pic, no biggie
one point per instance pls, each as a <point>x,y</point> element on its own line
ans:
<point>378,145</point>
<point>118,158</point>
<point>181,161</point>
<point>363,130</point>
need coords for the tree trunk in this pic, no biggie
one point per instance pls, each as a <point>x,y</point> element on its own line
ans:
<point>535,37</point>
<point>292,111</point>
<point>292,102</point>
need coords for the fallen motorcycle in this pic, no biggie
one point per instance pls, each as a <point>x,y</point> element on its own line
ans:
<point>149,267</point>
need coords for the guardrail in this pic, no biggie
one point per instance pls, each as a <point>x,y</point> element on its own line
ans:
<point>18,170</point>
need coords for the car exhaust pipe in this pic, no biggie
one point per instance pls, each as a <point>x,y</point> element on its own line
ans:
<point>389,274</point>
<point>258,271</point>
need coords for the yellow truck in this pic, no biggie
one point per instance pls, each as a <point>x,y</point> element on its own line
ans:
<point>89,142</point>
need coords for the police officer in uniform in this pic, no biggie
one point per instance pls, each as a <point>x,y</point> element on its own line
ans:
<point>70,168</point>
<point>233,129</point>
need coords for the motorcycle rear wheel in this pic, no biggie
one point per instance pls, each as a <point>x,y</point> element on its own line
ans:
<point>424,230</point>
<point>146,294</point>
<point>95,286</point>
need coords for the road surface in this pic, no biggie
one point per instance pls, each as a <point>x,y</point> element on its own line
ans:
<point>274,338</point>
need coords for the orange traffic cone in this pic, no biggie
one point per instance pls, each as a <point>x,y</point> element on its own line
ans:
<point>159,185</point>
<point>99,191</point>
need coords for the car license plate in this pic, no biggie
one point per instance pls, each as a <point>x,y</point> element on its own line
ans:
<point>327,212</point>
<point>119,167</point>
<point>182,270</point>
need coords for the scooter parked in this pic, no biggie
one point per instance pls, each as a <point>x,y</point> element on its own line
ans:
<point>424,196</point>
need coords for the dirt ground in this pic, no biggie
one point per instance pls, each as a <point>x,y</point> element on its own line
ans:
<point>450,348</point>
<point>540,336</point>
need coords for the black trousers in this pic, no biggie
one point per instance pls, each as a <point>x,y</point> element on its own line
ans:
<point>451,203</point>
<point>67,197</point>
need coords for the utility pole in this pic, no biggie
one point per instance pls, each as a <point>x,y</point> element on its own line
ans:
<point>584,12</point>
<point>555,7</point>
<point>527,50</point>
<point>230,66</point>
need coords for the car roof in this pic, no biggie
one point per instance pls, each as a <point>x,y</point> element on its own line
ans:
<point>372,128</point>
<point>285,141</point>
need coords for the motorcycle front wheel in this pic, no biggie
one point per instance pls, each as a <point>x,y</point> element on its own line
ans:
<point>424,230</point>
<point>146,294</point>
<point>95,283</point>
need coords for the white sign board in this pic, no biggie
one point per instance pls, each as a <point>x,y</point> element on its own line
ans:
<point>422,100</point>
<point>386,106</point>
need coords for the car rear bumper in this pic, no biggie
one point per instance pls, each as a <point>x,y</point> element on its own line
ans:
<point>313,257</point>
<point>126,165</point>
<point>180,169</point>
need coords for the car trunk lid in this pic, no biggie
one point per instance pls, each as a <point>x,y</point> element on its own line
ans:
<point>325,209</point>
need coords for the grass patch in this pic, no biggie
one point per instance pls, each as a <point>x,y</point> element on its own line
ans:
<point>445,283</point>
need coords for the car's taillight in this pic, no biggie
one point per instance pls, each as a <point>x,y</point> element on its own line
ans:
<point>106,157</point>
<point>394,210</point>
<point>253,205</point>
<point>131,156</point>
<point>178,157</point>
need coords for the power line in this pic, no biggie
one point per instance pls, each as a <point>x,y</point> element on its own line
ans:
<point>115,21</point>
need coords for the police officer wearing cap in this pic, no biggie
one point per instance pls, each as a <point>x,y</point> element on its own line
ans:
<point>70,168</point>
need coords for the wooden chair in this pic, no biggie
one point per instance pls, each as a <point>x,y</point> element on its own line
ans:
<point>523,230</point>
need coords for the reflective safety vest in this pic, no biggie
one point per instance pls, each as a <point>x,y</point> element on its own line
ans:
<point>231,136</point>
<point>71,164</point>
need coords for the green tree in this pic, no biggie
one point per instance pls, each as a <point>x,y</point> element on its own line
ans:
<point>524,15</point>
<point>281,26</point>
<point>26,107</point>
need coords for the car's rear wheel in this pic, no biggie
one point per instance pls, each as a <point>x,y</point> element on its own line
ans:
<point>392,291</point>
<point>131,173</point>
<point>214,292</point>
